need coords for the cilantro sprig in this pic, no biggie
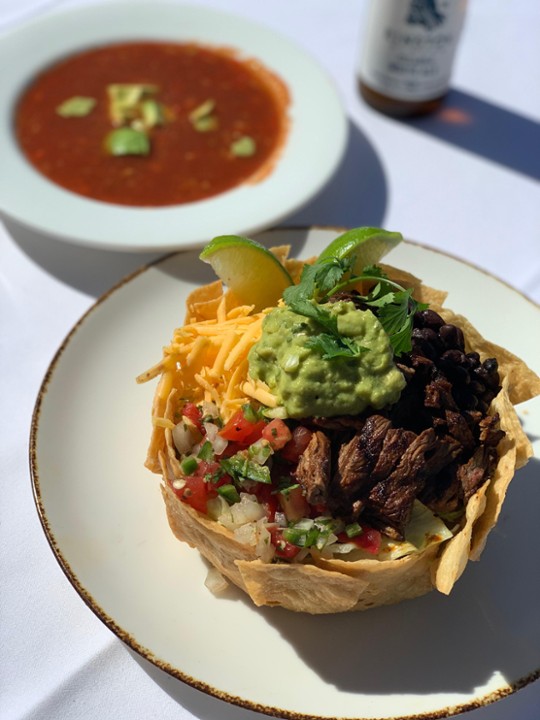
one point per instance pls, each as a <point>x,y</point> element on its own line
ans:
<point>318,281</point>
<point>393,304</point>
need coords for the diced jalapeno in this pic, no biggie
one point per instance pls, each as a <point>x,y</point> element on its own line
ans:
<point>207,451</point>
<point>230,493</point>
<point>189,465</point>
<point>353,530</point>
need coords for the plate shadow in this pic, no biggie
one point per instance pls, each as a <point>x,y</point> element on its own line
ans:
<point>439,644</point>
<point>357,193</point>
<point>89,270</point>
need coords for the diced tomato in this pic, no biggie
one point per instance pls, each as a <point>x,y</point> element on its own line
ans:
<point>198,489</point>
<point>318,509</point>
<point>195,492</point>
<point>241,430</point>
<point>193,413</point>
<point>207,468</point>
<point>284,549</point>
<point>369,539</point>
<point>294,504</point>
<point>266,496</point>
<point>277,434</point>
<point>297,444</point>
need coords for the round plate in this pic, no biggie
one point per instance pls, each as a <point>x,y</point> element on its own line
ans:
<point>312,151</point>
<point>105,520</point>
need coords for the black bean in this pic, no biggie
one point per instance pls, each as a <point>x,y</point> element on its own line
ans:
<point>454,357</point>
<point>425,341</point>
<point>488,396</point>
<point>429,319</point>
<point>474,359</point>
<point>490,365</point>
<point>477,388</point>
<point>452,337</point>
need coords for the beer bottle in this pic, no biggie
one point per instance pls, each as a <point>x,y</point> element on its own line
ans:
<point>407,54</point>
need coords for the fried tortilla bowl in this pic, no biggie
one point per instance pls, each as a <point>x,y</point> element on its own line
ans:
<point>333,585</point>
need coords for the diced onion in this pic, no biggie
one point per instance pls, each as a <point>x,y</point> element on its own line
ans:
<point>214,438</point>
<point>219,509</point>
<point>209,409</point>
<point>265,550</point>
<point>248,510</point>
<point>246,534</point>
<point>215,581</point>
<point>185,436</point>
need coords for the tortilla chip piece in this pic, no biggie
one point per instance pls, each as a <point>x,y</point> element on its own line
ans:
<point>455,553</point>
<point>421,292</point>
<point>303,588</point>
<point>213,541</point>
<point>387,581</point>
<point>203,302</point>
<point>514,451</point>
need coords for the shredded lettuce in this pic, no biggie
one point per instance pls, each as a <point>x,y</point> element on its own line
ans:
<point>423,529</point>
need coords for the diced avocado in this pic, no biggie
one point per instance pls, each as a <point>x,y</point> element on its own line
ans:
<point>244,147</point>
<point>151,113</point>
<point>127,141</point>
<point>202,117</point>
<point>124,99</point>
<point>76,106</point>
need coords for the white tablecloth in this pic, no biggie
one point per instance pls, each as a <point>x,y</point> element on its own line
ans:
<point>468,188</point>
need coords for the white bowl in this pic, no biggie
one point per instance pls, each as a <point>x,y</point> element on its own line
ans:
<point>312,152</point>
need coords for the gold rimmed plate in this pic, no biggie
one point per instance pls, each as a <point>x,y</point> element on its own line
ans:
<point>104,518</point>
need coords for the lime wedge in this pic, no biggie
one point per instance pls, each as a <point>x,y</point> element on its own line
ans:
<point>253,274</point>
<point>368,244</point>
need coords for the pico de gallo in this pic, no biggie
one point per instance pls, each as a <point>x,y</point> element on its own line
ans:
<point>242,474</point>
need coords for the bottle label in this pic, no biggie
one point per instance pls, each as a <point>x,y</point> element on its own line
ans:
<point>409,47</point>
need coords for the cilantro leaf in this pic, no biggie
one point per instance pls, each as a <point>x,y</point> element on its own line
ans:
<point>331,344</point>
<point>331,347</point>
<point>394,315</point>
<point>393,305</point>
<point>397,320</point>
<point>317,281</point>
<point>240,468</point>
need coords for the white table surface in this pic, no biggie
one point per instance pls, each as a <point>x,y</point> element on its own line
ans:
<point>470,190</point>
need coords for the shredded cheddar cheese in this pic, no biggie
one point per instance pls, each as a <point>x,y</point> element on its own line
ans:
<point>207,360</point>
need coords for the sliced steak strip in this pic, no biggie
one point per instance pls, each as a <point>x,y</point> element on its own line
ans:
<point>490,431</point>
<point>313,470</point>
<point>394,445</point>
<point>438,394</point>
<point>459,429</point>
<point>472,474</point>
<point>357,457</point>
<point>446,495</point>
<point>390,501</point>
<point>446,451</point>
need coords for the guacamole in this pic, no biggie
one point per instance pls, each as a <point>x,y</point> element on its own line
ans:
<point>306,384</point>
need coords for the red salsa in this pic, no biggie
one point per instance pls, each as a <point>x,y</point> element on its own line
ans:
<point>218,121</point>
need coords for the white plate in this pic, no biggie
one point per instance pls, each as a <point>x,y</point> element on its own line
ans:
<point>104,517</point>
<point>314,146</point>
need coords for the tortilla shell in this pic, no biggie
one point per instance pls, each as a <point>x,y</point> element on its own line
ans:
<point>335,585</point>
